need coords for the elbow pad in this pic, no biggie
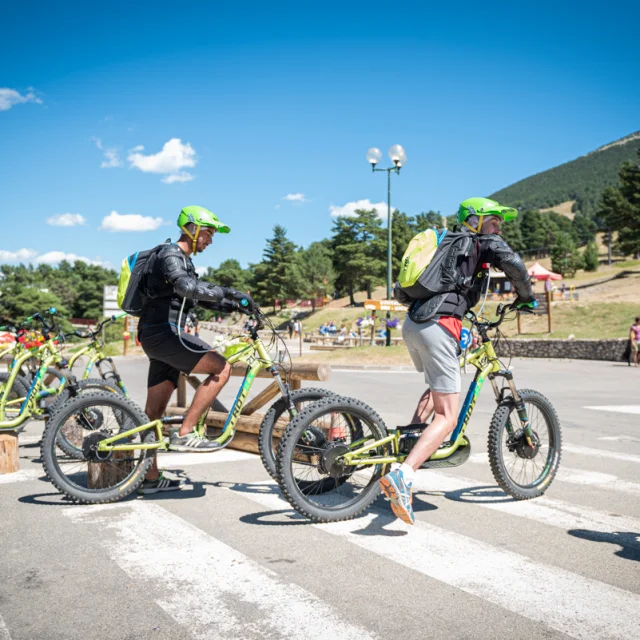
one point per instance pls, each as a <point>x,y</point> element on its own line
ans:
<point>507,260</point>
<point>189,287</point>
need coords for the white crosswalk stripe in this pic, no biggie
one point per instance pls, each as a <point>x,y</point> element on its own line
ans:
<point>581,477</point>
<point>549,511</point>
<point>600,453</point>
<point>620,408</point>
<point>4,632</point>
<point>204,578</point>
<point>564,601</point>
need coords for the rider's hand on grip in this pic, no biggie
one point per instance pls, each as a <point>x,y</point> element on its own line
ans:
<point>527,305</point>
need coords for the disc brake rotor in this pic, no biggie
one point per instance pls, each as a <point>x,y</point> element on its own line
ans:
<point>523,449</point>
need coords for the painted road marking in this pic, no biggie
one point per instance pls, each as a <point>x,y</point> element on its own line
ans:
<point>619,438</point>
<point>564,601</point>
<point>207,585</point>
<point>21,476</point>
<point>4,632</point>
<point>578,476</point>
<point>601,453</point>
<point>618,408</point>
<point>555,513</point>
<point>188,459</point>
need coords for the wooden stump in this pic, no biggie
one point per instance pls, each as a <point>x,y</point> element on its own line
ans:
<point>9,460</point>
<point>103,475</point>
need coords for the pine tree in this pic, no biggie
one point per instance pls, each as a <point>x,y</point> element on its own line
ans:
<point>591,257</point>
<point>620,209</point>
<point>565,258</point>
<point>359,251</point>
<point>277,278</point>
<point>316,271</point>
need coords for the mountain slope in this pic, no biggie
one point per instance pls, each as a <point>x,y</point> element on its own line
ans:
<point>582,179</point>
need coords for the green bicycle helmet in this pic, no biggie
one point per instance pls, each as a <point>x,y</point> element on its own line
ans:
<point>482,207</point>
<point>201,217</point>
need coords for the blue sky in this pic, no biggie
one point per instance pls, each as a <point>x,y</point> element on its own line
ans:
<point>142,108</point>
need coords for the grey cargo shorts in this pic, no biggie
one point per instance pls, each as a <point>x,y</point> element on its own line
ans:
<point>435,351</point>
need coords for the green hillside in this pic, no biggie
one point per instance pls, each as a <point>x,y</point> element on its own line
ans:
<point>582,180</point>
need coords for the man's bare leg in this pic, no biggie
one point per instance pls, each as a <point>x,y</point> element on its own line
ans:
<point>219,371</point>
<point>158,398</point>
<point>424,408</point>
<point>446,413</point>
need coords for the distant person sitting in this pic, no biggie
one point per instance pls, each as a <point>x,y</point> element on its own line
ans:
<point>634,337</point>
<point>332,327</point>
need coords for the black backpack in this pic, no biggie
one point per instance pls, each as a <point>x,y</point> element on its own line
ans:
<point>131,282</point>
<point>443,274</point>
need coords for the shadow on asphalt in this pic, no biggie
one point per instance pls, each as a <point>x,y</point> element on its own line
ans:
<point>629,541</point>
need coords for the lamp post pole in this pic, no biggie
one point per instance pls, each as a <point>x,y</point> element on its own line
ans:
<point>397,155</point>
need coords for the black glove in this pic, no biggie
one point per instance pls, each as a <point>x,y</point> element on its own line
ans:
<point>244,299</point>
<point>229,306</point>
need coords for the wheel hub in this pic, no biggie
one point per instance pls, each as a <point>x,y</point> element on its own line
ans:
<point>312,439</point>
<point>90,448</point>
<point>523,449</point>
<point>329,463</point>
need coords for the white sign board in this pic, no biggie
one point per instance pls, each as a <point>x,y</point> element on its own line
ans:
<point>110,301</point>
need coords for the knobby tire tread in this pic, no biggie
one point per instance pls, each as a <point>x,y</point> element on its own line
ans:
<point>497,429</point>
<point>277,409</point>
<point>287,444</point>
<point>49,444</point>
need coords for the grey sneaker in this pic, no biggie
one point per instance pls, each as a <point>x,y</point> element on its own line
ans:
<point>191,442</point>
<point>160,484</point>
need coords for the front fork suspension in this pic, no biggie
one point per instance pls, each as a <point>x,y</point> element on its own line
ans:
<point>521,409</point>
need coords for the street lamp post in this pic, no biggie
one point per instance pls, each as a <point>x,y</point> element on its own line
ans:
<point>399,159</point>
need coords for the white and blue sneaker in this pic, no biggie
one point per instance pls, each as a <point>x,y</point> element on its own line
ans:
<point>398,492</point>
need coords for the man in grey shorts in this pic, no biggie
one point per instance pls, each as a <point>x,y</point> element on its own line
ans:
<point>431,333</point>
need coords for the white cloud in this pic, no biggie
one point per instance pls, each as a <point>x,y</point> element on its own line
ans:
<point>51,257</point>
<point>21,255</point>
<point>201,271</point>
<point>295,197</point>
<point>11,97</point>
<point>349,209</point>
<point>173,157</point>
<point>54,257</point>
<point>181,176</point>
<point>66,220</point>
<point>111,158</point>
<point>129,222</point>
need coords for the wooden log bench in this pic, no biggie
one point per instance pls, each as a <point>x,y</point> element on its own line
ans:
<point>329,347</point>
<point>249,421</point>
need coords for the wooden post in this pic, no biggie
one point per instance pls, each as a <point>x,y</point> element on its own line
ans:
<point>518,322</point>
<point>182,391</point>
<point>9,459</point>
<point>549,310</point>
<point>300,336</point>
<point>373,328</point>
<point>102,475</point>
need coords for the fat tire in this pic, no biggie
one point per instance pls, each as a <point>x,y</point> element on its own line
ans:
<point>293,494</point>
<point>279,408</point>
<point>497,429</point>
<point>90,384</point>
<point>20,385</point>
<point>50,443</point>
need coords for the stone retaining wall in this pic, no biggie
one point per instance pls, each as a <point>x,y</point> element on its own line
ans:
<point>614,349</point>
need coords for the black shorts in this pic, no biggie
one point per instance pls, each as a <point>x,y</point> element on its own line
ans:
<point>167,356</point>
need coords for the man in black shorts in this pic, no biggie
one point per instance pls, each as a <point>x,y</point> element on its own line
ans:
<point>171,289</point>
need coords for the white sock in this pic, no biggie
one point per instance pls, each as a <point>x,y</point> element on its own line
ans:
<point>408,473</point>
